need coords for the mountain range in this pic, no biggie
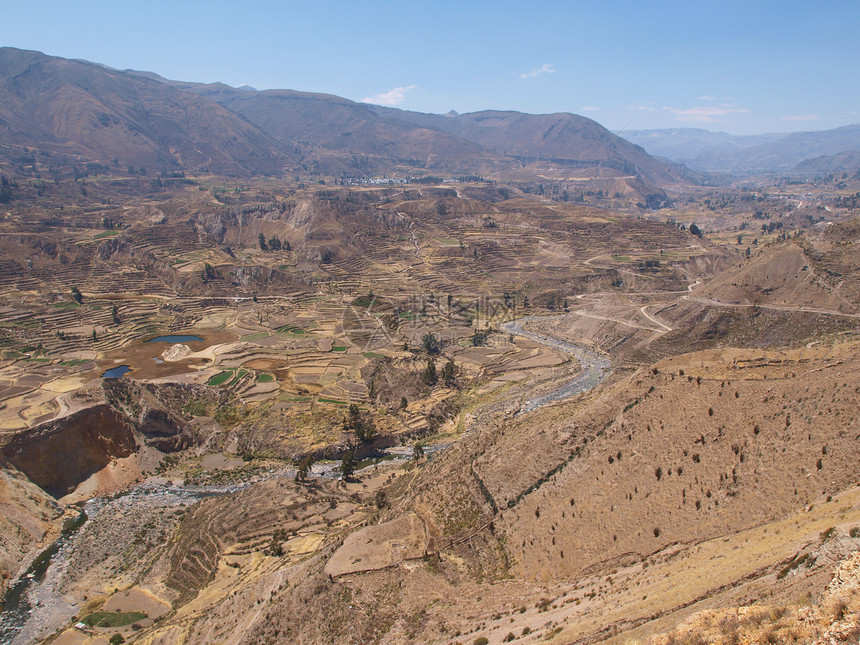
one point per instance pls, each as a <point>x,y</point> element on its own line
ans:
<point>752,154</point>
<point>139,119</point>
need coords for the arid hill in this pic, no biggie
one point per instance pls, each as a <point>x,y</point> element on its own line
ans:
<point>575,142</point>
<point>341,137</point>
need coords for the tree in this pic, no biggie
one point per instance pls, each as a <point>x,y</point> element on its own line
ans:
<point>209,272</point>
<point>347,464</point>
<point>417,451</point>
<point>115,315</point>
<point>356,421</point>
<point>304,468</point>
<point>695,230</point>
<point>380,499</point>
<point>403,402</point>
<point>275,243</point>
<point>428,376</point>
<point>276,548</point>
<point>77,295</point>
<point>261,240</point>
<point>448,373</point>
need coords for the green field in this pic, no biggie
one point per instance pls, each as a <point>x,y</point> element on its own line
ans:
<point>75,362</point>
<point>333,401</point>
<point>104,234</point>
<point>290,329</point>
<point>265,378</point>
<point>239,375</point>
<point>218,379</point>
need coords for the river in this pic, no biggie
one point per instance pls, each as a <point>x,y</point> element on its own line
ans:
<point>595,367</point>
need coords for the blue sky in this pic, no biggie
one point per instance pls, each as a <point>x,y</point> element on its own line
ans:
<point>739,67</point>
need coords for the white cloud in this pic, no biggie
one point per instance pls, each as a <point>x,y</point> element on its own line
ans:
<point>589,108</point>
<point>546,68</point>
<point>699,113</point>
<point>801,117</point>
<point>647,107</point>
<point>706,113</point>
<point>394,96</point>
<point>706,98</point>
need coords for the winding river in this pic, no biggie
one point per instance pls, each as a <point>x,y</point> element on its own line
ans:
<point>595,367</point>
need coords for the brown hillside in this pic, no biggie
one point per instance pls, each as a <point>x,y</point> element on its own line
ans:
<point>795,274</point>
<point>110,116</point>
<point>336,124</point>
<point>579,144</point>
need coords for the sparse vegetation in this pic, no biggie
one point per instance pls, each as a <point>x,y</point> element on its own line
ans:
<point>377,331</point>
<point>112,618</point>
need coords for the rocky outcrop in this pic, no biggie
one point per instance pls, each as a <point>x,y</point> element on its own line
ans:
<point>164,431</point>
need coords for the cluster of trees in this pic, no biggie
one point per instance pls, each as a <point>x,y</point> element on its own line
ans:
<point>430,375</point>
<point>347,467</point>
<point>274,244</point>
<point>655,201</point>
<point>359,423</point>
<point>209,273</point>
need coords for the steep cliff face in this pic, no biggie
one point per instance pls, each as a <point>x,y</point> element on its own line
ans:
<point>27,514</point>
<point>60,454</point>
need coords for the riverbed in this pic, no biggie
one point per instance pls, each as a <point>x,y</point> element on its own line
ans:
<point>595,367</point>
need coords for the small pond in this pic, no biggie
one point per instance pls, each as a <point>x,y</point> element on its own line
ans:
<point>117,371</point>
<point>174,339</point>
